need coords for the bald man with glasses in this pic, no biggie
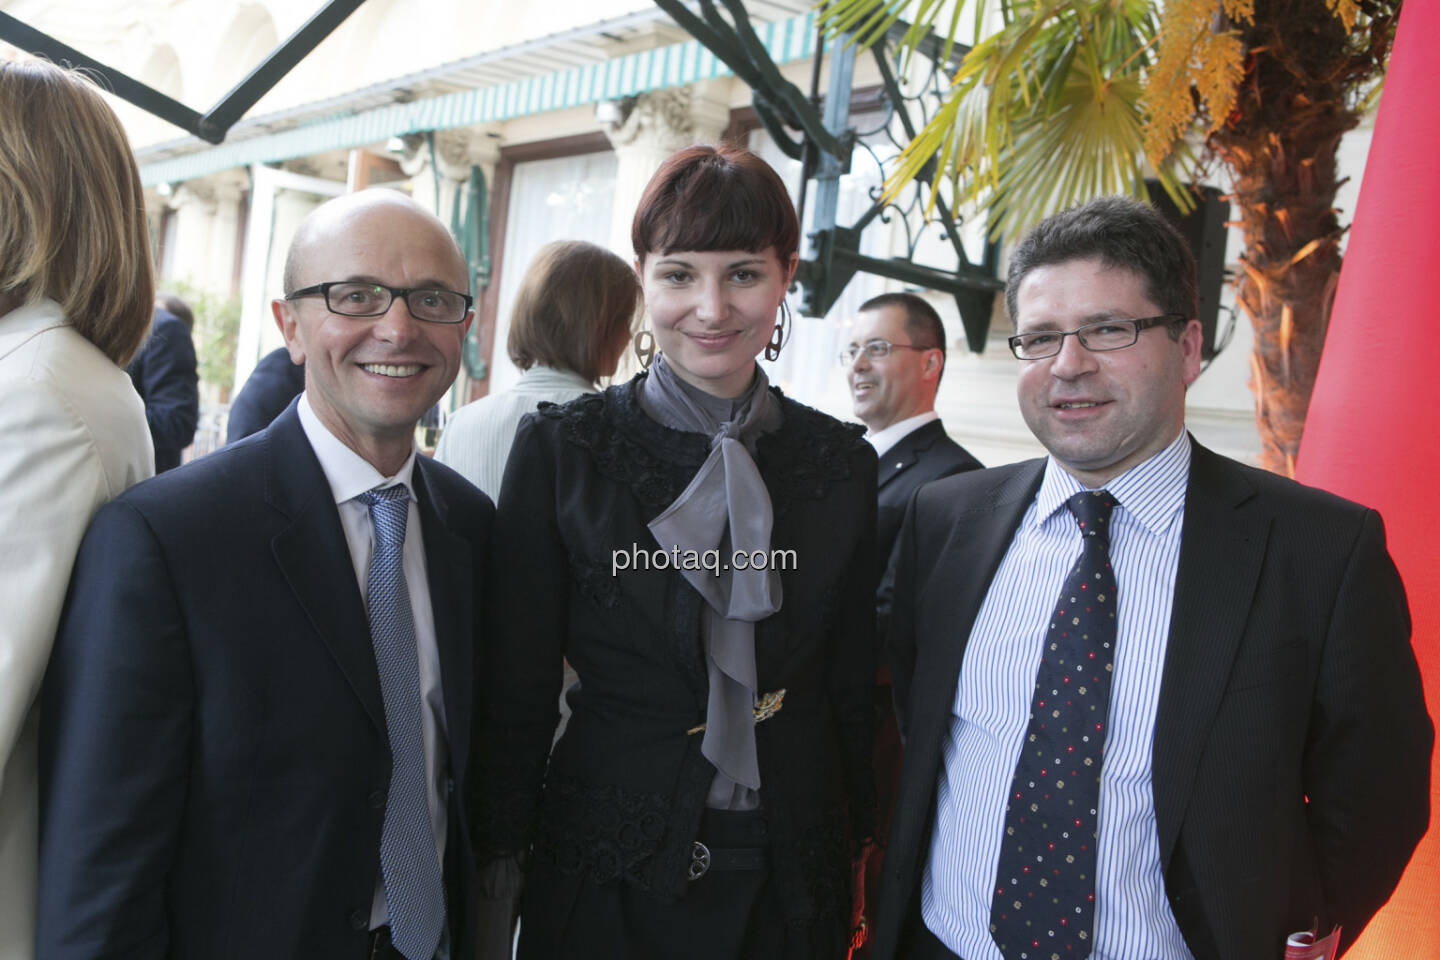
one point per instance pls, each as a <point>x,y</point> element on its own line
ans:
<point>256,724</point>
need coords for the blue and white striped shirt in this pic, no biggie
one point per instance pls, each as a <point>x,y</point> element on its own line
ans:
<point>992,707</point>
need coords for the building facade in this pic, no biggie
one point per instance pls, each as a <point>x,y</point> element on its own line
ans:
<point>519,124</point>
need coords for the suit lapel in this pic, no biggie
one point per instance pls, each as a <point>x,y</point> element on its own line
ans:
<point>906,453</point>
<point>966,562</point>
<point>963,549</point>
<point>1221,550</point>
<point>314,558</point>
<point>449,568</point>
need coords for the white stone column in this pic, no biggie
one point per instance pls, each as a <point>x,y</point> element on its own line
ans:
<point>452,161</point>
<point>224,238</point>
<point>658,124</point>
<point>279,200</point>
<point>194,206</point>
<point>710,110</point>
<point>291,206</point>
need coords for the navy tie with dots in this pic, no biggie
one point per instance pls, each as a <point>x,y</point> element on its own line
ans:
<point>414,890</point>
<point>1044,906</point>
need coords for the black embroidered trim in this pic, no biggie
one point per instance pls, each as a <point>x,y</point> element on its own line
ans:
<point>806,455</point>
<point>598,830</point>
<point>657,470</point>
<point>686,648</point>
<point>595,582</point>
<point>822,852</point>
<point>799,461</point>
<point>504,819</point>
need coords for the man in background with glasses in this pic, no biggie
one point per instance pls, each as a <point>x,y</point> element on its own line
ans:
<point>893,361</point>
<point>256,722</point>
<point>1156,703</point>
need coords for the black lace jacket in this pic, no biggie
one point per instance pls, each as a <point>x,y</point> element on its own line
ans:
<point>625,787</point>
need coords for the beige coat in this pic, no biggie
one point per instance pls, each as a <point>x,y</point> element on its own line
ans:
<point>72,435</point>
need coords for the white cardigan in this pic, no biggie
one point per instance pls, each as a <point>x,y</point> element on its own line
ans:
<point>476,441</point>
<point>72,435</point>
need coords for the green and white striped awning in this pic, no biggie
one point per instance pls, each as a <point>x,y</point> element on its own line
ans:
<point>671,66</point>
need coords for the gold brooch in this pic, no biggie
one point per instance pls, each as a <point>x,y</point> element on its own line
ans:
<point>768,705</point>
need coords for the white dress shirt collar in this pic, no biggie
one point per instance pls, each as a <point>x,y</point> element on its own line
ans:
<point>1152,491</point>
<point>884,440</point>
<point>348,473</point>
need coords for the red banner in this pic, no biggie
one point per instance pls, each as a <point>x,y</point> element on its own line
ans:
<point>1372,433</point>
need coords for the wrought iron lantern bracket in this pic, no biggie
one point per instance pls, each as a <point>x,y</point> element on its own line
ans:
<point>825,140</point>
<point>213,125</point>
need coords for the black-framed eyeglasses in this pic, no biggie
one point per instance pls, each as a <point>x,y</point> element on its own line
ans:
<point>355,298</point>
<point>1099,336</point>
<point>874,350</point>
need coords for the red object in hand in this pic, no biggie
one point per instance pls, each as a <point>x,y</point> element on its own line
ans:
<point>1304,946</point>
<point>859,925</point>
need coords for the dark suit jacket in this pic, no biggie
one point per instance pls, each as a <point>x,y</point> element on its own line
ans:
<point>924,454</point>
<point>165,376</point>
<point>214,761</point>
<point>1291,757</point>
<point>268,390</point>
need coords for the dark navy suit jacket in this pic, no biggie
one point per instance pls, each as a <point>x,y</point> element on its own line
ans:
<point>164,373</point>
<point>271,386</point>
<point>1292,748</point>
<point>924,454</point>
<point>214,759</point>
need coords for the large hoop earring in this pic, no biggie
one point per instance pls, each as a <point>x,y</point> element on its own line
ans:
<point>644,346</point>
<point>781,336</point>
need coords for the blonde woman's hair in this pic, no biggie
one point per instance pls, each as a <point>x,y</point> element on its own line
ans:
<point>574,310</point>
<point>72,216</point>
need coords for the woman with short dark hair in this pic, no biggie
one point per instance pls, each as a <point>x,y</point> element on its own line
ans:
<point>76,295</point>
<point>701,549</point>
<point>569,326</point>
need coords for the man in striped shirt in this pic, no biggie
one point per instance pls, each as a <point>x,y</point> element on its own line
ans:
<point>1229,746</point>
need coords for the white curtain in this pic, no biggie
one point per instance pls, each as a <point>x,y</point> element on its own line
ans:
<point>566,198</point>
<point>808,369</point>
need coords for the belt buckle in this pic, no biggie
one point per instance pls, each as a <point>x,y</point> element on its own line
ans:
<point>699,861</point>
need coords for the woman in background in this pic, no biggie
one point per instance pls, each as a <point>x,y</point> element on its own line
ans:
<point>76,295</point>
<point>713,784</point>
<point>569,327</point>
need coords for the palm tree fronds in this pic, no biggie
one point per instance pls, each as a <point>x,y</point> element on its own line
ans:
<point>1046,112</point>
<point>1348,11</point>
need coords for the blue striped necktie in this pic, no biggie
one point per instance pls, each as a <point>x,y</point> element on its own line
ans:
<point>414,890</point>
<point>1044,903</point>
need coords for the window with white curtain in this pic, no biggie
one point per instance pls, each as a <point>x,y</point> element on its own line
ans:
<point>564,198</point>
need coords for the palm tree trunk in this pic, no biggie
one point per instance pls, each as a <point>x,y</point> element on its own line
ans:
<point>1280,143</point>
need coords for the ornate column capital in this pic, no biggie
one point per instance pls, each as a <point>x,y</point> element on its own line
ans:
<point>193,193</point>
<point>657,121</point>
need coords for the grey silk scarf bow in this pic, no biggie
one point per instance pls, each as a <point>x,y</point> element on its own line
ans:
<point>727,495</point>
